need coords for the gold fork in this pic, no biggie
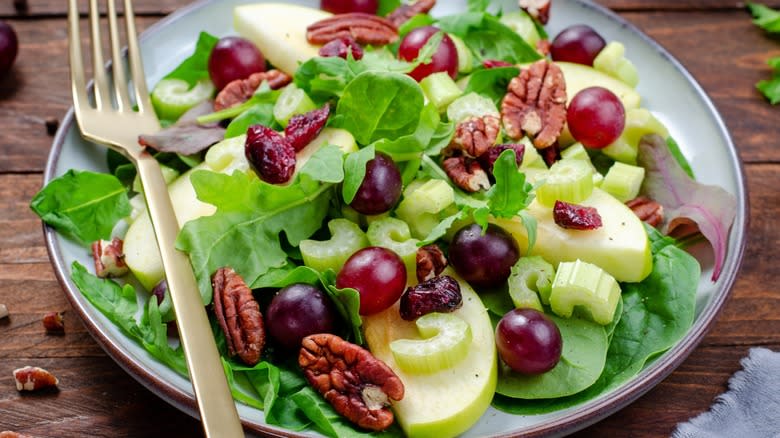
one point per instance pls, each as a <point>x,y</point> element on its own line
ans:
<point>114,123</point>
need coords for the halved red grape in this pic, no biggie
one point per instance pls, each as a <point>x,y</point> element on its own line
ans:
<point>484,260</point>
<point>378,274</point>
<point>528,341</point>
<point>580,44</point>
<point>445,59</point>
<point>9,46</point>
<point>347,6</point>
<point>297,311</point>
<point>596,117</point>
<point>381,187</point>
<point>234,58</point>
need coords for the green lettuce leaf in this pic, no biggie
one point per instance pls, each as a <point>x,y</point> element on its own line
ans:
<point>770,88</point>
<point>491,82</point>
<point>488,38</point>
<point>326,165</point>
<point>411,146</point>
<point>765,17</point>
<point>259,114</point>
<point>82,205</point>
<point>355,171</point>
<point>196,67</point>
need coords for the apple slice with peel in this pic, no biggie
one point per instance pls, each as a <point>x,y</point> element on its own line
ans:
<point>141,253</point>
<point>279,31</point>
<point>447,402</point>
<point>620,246</point>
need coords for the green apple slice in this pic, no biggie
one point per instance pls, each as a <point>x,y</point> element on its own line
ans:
<point>448,402</point>
<point>620,246</point>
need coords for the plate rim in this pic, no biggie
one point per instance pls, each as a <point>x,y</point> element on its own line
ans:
<point>585,414</point>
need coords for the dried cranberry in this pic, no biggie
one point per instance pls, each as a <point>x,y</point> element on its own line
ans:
<point>159,291</point>
<point>576,217</point>
<point>488,159</point>
<point>439,294</point>
<point>341,47</point>
<point>271,155</point>
<point>495,63</point>
<point>303,128</point>
<point>551,154</point>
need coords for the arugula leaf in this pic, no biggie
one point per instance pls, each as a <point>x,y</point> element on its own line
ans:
<point>82,205</point>
<point>355,171</point>
<point>260,114</point>
<point>770,88</point>
<point>441,228</point>
<point>326,165</point>
<point>196,67</point>
<point>511,193</point>
<point>378,105</point>
<point>766,18</point>
<point>491,82</point>
<point>246,231</point>
<point>488,38</point>
<point>419,20</point>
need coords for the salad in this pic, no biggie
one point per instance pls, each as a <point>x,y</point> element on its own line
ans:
<point>398,220</point>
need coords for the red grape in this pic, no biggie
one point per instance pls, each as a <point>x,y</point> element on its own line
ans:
<point>596,117</point>
<point>378,274</point>
<point>580,44</point>
<point>297,311</point>
<point>347,6</point>
<point>445,59</point>
<point>528,341</point>
<point>381,187</point>
<point>484,260</point>
<point>234,58</point>
<point>9,46</point>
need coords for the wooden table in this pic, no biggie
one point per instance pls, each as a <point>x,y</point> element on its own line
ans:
<point>714,39</point>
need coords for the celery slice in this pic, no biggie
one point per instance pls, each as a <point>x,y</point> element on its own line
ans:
<point>590,288</point>
<point>623,181</point>
<point>446,341</point>
<point>612,61</point>
<point>470,105</point>
<point>523,25</point>
<point>346,239</point>
<point>465,58</point>
<point>569,181</point>
<point>394,234</point>
<point>292,101</point>
<point>440,89</point>
<point>424,204</point>
<point>531,280</point>
<point>639,122</point>
<point>173,97</point>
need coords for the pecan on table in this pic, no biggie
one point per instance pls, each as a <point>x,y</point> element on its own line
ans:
<point>10,434</point>
<point>33,379</point>
<point>357,384</point>
<point>538,9</point>
<point>475,135</point>
<point>109,258</point>
<point>364,28</point>
<point>406,11</point>
<point>238,315</point>
<point>53,323</point>
<point>3,311</point>
<point>430,262</point>
<point>647,210</point>
<point>535,104</point>
<point>240,90</point>
<point>466,173</point>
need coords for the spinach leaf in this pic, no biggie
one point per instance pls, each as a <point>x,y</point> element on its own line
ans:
<point>196,67</point>
<point>246,231</point>
<point>326,165</point>
<point>411,146</point>
<point>378,105</point>
<point>488,38</point>
<point>326,78</point>
<point>765,17</point>
<point>82,205</point>
<point>491,82</point>
<point>260,114</point>
<point>355,171</point>
<point>419,20</point>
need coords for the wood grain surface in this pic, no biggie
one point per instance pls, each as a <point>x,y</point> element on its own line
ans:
<point>714,39</point>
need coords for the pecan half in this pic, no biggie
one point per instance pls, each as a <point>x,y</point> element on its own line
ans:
<point>109,258</point>
<point>475,135</point>
<point>543,47</point>
<point>647,210</point>
<point>53,323</point>
<point>430,262</point>
<point>406,11</point>
<point>357,384</point>
<point>466,174</point>
<point>538,9</point>
<point>535,104</point>
<point>238,315</point>
<point>33,379</point>
<point>3,311</point>
<point>364,28</point>
<point>10,434</point>
<point>240,90</point>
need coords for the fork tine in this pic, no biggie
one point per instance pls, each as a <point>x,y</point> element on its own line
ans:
<point>102,99</point>
<point>78,81</point>
<point>120,81</point>
<point>136,64</point>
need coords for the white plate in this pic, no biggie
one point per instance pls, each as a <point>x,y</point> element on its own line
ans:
<point>667,89</point>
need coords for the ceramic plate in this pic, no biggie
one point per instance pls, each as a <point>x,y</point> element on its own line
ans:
<point>667,89</point>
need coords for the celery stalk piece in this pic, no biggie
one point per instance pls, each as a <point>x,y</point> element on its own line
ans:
<point>445,342</point>
<point>531,280</point>
<point>612,61</point>
<point>470,105</point>
<point>440,89</point>
<point>173,97</point>
<point>465,58</point>
<point>568,180</point>
<point>639,122</point>
<point>346,239</point>
<point>523,25</point>
<point>424,205</point>
<point>292,101</point>
<point>393,234</point>
<point>586,286</point>
<point>531,157</point>
<point>623,181</point>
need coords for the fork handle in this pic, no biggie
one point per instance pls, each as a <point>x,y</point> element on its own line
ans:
<point>215,402</point>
